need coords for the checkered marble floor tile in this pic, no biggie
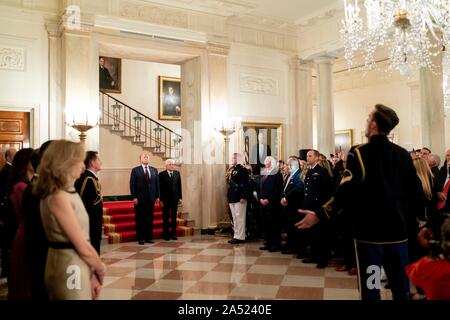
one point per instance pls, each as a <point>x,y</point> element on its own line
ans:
<point>207,267</point>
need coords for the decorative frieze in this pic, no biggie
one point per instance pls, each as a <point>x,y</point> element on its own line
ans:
<point>12,58</point>
<point>154,14</point>
<point>258,84</point>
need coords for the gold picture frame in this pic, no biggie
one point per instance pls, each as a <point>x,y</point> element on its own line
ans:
<point>169,98</point>
<point>343,140</point>
<point>272,135</point>
<point>110,74</point>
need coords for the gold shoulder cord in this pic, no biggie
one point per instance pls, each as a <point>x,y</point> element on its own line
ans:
<point>97,189</point>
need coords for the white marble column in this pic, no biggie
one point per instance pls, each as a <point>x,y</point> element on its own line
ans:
<point>56,126</point>
<point>299,128</point>
<point>432,111</point>
<point>204,90</point>
<point>325,121</point>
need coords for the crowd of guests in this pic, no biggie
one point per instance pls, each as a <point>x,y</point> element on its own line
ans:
<point>51,222</point>
<point>370,207</point>
<point>51,216</point>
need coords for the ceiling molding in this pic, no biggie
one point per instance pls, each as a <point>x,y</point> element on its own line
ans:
<point>225,8</point>
<point>320,15</point>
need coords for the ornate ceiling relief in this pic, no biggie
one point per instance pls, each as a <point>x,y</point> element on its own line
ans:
<point>258,84</point>
<point>216,7</point>
<point>154,14</point>
<point>12,58</point>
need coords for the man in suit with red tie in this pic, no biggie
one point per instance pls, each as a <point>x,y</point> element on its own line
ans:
<point>171,195</point>
<point>144,188</point>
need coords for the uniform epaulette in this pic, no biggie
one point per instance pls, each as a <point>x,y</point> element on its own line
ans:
<point>358,155</point>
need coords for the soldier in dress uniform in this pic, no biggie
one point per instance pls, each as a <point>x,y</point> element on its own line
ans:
<point>318,189</point>
<point>238,193</point>
<point>381,188</point>
<point>90,192</point>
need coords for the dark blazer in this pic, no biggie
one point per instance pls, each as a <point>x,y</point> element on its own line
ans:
<point>142,189</point>
<point>170,190</point>
<point>381,187</point>
<point>270,188</point>
<point>238,184</point>
<point>4,182</point>
<point>318,188</point>
<point>293,191</point>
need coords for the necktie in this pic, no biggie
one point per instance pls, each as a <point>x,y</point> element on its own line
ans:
<point>170,175</point>
<point>147,175</point>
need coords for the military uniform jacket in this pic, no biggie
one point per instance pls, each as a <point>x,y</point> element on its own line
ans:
<point>318,188</point>
<point>238,184</point>
<point>381,188</point>
<point>90,192</point>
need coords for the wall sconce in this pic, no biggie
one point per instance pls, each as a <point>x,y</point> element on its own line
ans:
<point>82,126</point>
<point>227,129</point>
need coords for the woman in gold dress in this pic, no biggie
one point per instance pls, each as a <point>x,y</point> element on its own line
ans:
<point>73,269</point>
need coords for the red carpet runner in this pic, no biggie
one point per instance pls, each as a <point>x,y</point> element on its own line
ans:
<point>119,223</point>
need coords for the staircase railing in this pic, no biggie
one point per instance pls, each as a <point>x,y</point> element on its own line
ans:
<point>138,128</point>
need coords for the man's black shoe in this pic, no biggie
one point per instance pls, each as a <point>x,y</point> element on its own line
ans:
<point>141,242</point>
<point>322,265</point>
<point>309,260</point>
<point>174,238</point>
<point>166,238</point>
<point>263,248</point>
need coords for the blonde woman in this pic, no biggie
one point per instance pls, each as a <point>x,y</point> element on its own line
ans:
<point>73,268</point>
<point>423,171</point>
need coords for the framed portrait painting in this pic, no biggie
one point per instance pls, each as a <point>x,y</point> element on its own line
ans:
<point>169,98</point>
<point>343,140</point>
<point>110,74</point>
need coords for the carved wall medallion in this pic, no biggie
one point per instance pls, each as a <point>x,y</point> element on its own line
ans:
<point>12,58</point>
<point>258,84</point>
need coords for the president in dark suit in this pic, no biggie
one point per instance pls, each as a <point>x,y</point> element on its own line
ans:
<point>89,189</point>
<point>171,195</point>
<point>144,188</point>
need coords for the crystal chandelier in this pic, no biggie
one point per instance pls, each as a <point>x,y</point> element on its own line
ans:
<point>413,31</point>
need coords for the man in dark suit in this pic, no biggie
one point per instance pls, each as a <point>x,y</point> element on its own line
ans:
<point>171,195</point>
<point>6,226</point>
<point>90,192</point>
<point>260,151</point>
<point>144,188</point>
<point>292,198</point>
<point>105,79</point>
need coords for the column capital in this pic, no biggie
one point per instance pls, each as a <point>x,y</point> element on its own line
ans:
<point>324,59</point>
<point>218,48</point>
<point>300,64</point>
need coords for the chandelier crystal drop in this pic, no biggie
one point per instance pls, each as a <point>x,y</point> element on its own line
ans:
<point>412,31</point>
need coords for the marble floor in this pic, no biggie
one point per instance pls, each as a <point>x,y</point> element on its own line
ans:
<point>207,267</point>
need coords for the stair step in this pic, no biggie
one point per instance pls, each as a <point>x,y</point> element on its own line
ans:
<point>139,143</point>
<point>106,125</point>
<point>117,131</point>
